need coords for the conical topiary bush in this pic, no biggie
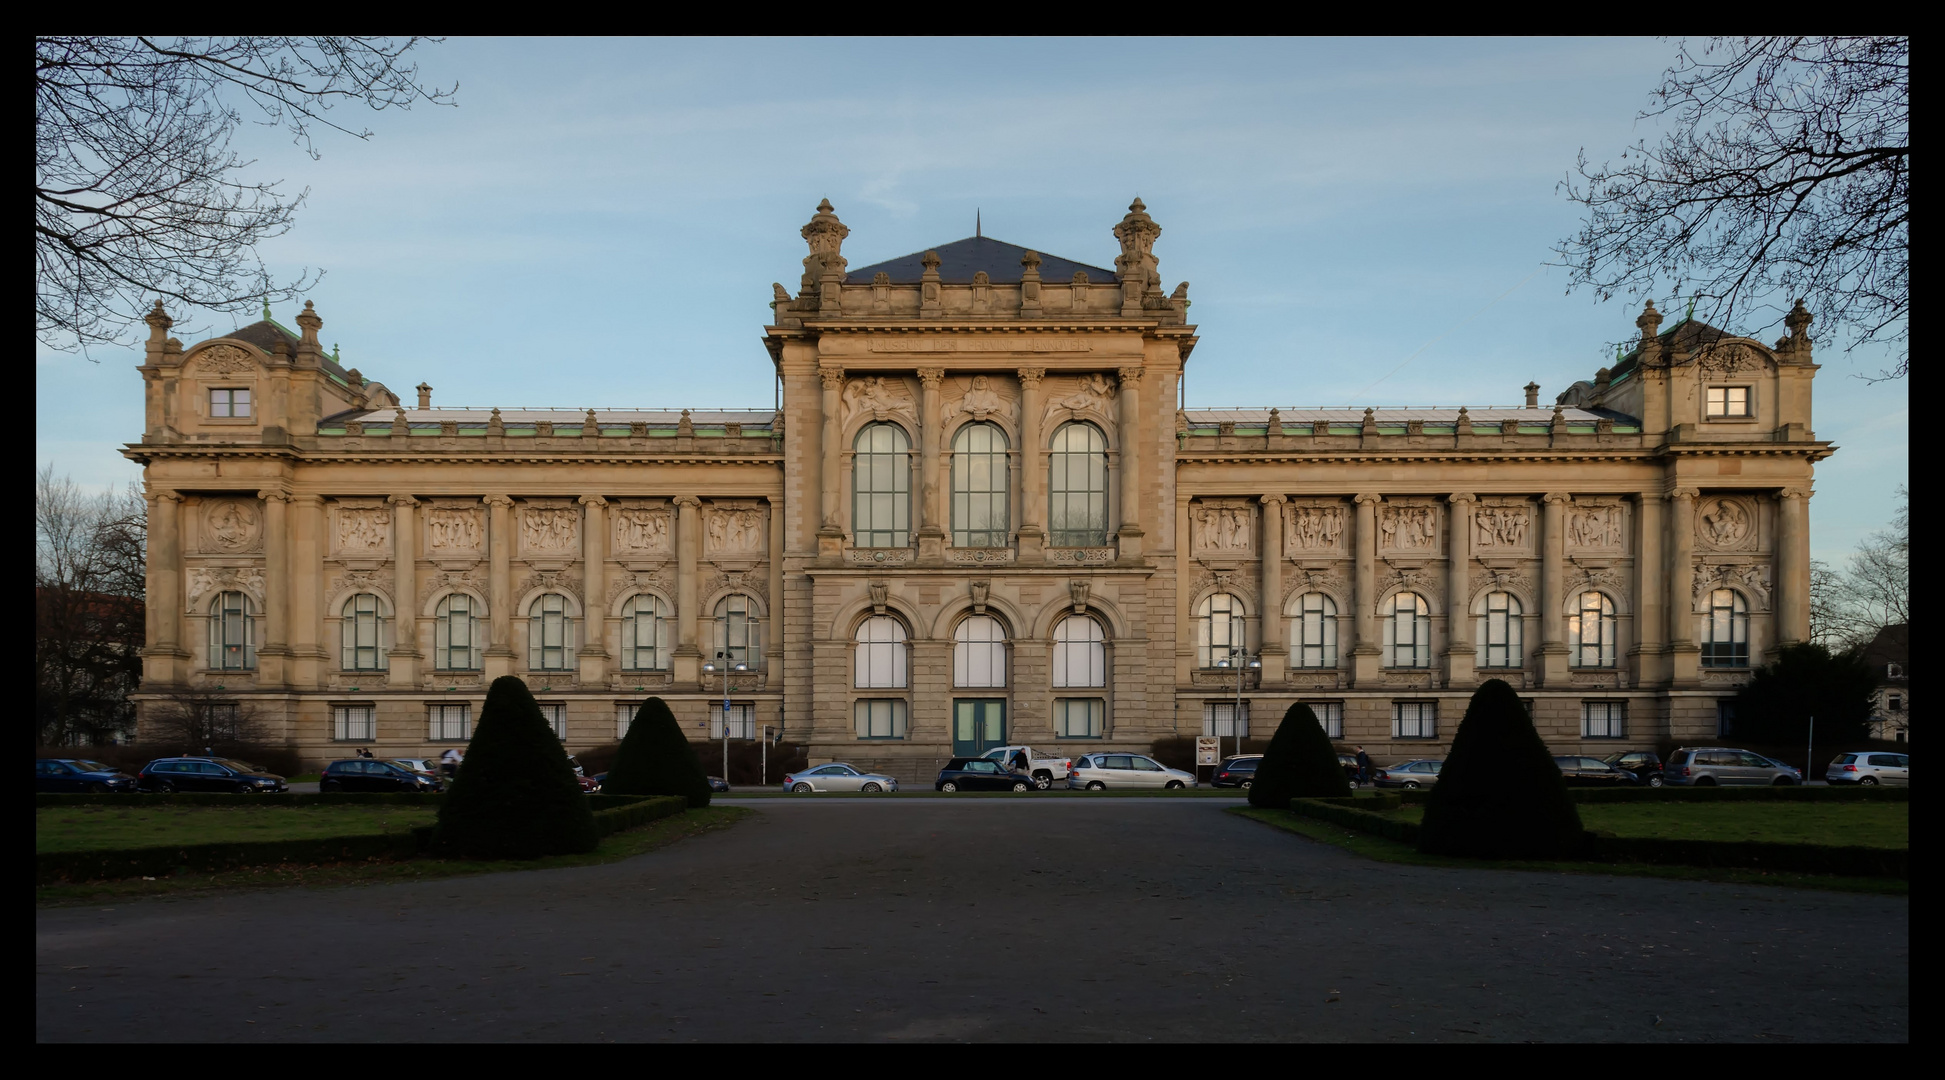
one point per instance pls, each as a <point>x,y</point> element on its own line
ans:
<point>655,758</point>
<point>516,796</point>
<point>1499,794</point>
<point>1300,764</point>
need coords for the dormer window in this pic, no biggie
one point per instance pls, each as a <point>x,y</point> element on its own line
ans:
<point>1893,671</point>
<point>1728,402</point>
<point>227,403</point>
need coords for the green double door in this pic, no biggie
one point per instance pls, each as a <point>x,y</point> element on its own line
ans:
<point>978,725</point>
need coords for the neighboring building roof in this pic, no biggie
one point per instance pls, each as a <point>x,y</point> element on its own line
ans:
<point>1892,645</point>
<point>265,333</point>
<point>571,417</point>
<point>961,259</point>
<point>1207,417</point>
<point>1684,334</point>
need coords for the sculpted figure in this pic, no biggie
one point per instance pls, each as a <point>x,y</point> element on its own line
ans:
<point>978,402</point>
<point>232,524</point>
<point>1725,523</point>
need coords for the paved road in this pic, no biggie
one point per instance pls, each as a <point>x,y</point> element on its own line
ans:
<point>1123,920</point>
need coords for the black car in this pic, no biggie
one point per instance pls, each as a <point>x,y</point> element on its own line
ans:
<point>716,784</point>
<point>1593,772</point>
<point>1644,764</point>
<point>74,774</point>
<point>207,774</point>
<point>1237,772</point>
<point>979,774</point>
<point>366,774</point>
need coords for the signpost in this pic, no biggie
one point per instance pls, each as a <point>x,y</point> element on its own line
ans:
<point>1208,749</point>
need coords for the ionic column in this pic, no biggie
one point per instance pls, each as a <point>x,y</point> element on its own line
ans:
<point>1793,567</point>
<point>164,588</point>
<point>830,533</point>
<point>773,639</point>
<point>594,557</point>
<point>931,537</point>
<point>1033,468</point>
<point>1365,655</point>
<point>1553,588</point>
<point>688,547</point>
<point>1272,554</point>
<point>307,589</point>
<point>1650,647</point>
<point>499,542</point>
<point>1685,654</point>
<point>276,588</point>
<point>1131,442</point>
<point>403,659</point>
<point>1459,654</point>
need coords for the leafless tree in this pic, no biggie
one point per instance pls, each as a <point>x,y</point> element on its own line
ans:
<point>200,719</point>
<point>1783,172</point>
<point>1849,606</point>
<point>137,194</point>
<point>88,609</point>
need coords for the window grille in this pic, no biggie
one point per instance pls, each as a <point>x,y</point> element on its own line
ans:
<point>1414,719</point>
<point>1077,487</point>
<point>556,714</point>
<point>1604,719</point>
<point>880,718</point>
<point>1591,631</point>
<point>1330,714</point>
<point>1080,718</point>
<point>364,625</point>
<point>1314,632</point>
<point>1080,653</point>
<point>355,723</point>
<point>449,722</point>
<point>981,503</point>
<point>881,488</point>
<point>1225,719</point>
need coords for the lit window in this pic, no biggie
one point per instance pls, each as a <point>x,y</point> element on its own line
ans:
<point>881,487</point>
<point>644,634</point>
<point>232,633</point>
<point>550,634</point>
<point>980,502</point>
<point>1077,487</point>
<point>456,639</point>
<point>1407,632</point>
<point>229,403</point>
<point>1590,631</point>
<point>355,723</point>
<point>1727,642</point>
<point>1499,629</point>
<point>739,632</point>
<point>364,629</point>
<point>1314,632</point>
<point>1225,719</point>
<point>1079,718</point>
<point>880,718</point>
<point>1604,719</point>
<point>1219,627</point>
<point>1728,401</point>
<point>1330,714</point>
<point>979,652</point>
<point>449,722</point>
<point>1080,654</point>
<point>880,661</point>
<point>1414,719</point>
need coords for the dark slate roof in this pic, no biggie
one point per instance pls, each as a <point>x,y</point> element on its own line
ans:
<point>265,333</point>
<point>1892,645</point>
<point>961,259</point>
<point>1686,334</point>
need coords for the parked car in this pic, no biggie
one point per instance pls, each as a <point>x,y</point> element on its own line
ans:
<point>207,774</point>
<point>74,774</point>
<point>1097,772</point>
<point>364,774</point>
<point>1348,762</point>
<point>1711,766</point>
<point>1644,764</point>
<point>1593,772</point>
<point>837,776</point>
<point>981,774</point>
<point>1870,769</point>
<point>1421,773</point>
<point>1237,772</point>
<point>1044,770</point>
<point>417,764</point>
<point>719,785</point>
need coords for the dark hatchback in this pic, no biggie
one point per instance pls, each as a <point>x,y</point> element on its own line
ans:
<point>1593,772</point>
<point>979,774</point>
<point>74,774</point>
<point>365,774</point>
<point>1237,772</point>
<point>1644,764</point>
<point>207,774</point>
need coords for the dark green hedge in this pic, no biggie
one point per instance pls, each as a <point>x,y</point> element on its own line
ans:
<point>1499,796</point>
<point>516,796</point>
<point>1342,812</point>
<point>656,758</point>
<point>223,799</point>
<point>51,867</point>
<point>1300,764</point>
<point>637,812</point>
<point>1792,793</point>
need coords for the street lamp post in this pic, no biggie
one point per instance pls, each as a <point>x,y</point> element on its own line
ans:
<point>1243,663</point>
<point>723,665</point>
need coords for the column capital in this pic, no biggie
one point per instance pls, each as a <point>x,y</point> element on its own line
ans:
<point>1682,493</point>
<point>1459,497</point>
<point>931,377</point>
<point>595,501</point>
<point>274,494</point>
<point>1368,498</point>
<point>307,499</point>
<point>833,377</point>
<point>1556,498</point>
<point>1130,376</point>
<point>403,500</point>
<point>1794,493</point>
<point>497,500</point>
<point>687,502</point>
<point>165,495</point>
<point>1272,500</point>
<point>1031,376</point>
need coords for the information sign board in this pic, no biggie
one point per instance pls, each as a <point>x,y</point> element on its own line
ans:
<point>1208,749</point>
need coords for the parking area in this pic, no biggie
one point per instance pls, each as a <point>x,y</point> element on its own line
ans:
<point>1115,919</point>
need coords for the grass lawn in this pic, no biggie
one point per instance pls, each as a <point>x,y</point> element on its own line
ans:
<point>92,828</point>
<point>617,846</point>
<point>1864,824</point>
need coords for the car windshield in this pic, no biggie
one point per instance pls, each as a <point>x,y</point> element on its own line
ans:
<point>90,766</point>
<point>411,766</point>
<point>239,766</point>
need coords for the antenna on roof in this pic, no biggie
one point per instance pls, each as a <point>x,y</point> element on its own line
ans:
<point>976,227</point>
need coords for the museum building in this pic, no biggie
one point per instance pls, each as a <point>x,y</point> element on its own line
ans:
<point>979,515</point>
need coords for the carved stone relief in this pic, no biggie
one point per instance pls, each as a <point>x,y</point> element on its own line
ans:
<point>550,530</point>
<point>1597,526</point>
<point>1419,581</point>
<point>1501,580</point>
<point>362,530</point>
<point>232,526</point>
<point>224,360</point>
<point>1313,529</point>
<point>1730,357</point>
<point>1409,528</point>
<point>1502,527</point>
<point>446,581</point>
<point>642,530</point>
<point>1222,525</point>
<point>549,581</point>
<point>1725,523</point>
<point>733,530</point>
<point>358,581</point>
<point>982,400</point>
<point>205,580</point>
<point>880,398</point>
<point>1323,581</point>
<point>755,584</point>
<point>1078,396</point>
<point>1752,578</point>
<point>454,531</point>
<point>620,585</point>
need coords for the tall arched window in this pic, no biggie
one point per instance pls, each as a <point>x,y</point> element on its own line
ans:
<point>1077,487</point>
<point>1080,653</point>
<point>1219,627</point>
<point>881,487</point>
<point>1314,632</point>
<point>550,634</point>
<point>880,662</point>
<point>364,633</point>
<point>1407,631</point>
<point>739,631</point>
<point>979,652</point>
<point>1727,643</point>
<point>232,633</point>
<point>1590,631</point>
<point>456,637</point>
<point>1497,626</point>
<point>980,503</point>
<point>644,634</point>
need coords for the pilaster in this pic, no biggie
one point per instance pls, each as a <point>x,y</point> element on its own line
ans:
<point>931,537</point>
<point>1131,445</point>
<point>1553,562</point>
<point>1275,654</point>
<point>402,661</point>
<point>592,656</point>
<point>1367,654</point>
<point>830,530</point>
<point>1793,567</point>
<point>1459,652</point>
<point>499,537</point>
<point>1685,655</point>
<point>1650,649</point>
<point>1033,469</point>
<point>688,548</point>
<point>272,666</point>
<point>307,590</point>
<point>163,660</point>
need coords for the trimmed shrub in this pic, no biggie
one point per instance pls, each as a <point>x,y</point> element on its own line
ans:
<point>657,759</point>
<point>1300,764</point>
<point>1499,794</point>
<point>516,796</point>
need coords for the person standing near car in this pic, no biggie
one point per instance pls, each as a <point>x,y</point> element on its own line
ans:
<point>1363,766</point>
<point>449,761</point>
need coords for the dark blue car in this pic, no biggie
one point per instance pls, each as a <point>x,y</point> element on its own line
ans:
<point>75,774</point>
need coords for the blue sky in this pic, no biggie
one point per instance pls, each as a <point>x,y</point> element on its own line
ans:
<point>598,222</point>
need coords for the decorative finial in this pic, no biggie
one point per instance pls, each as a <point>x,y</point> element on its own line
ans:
<point>334,352</point>
<point>977,230</point>
<point>266,309</point>
<point>823,206</point>
<point>1690,315</point>
<point>1137,206</point>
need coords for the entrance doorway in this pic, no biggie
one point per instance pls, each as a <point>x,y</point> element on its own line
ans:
<point>978,725</point>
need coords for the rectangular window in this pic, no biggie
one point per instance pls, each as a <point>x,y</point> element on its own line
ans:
<point>881,718</point>
<point>1728,401</point>
<point>1079,718</point>
<point>355,723</point>
<point>1725,718</point>
<point>1331,715</point>
<point>556,715</point>
<point>740,721</point>
<point>229,403</point>
<point>449,722</point>
<point>1414,719</point>
<point>1604,719</point>
<point>624,716</point>
<point>1225,719</point>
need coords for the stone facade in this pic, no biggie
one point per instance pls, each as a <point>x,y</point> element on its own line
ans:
<point>978,514</point>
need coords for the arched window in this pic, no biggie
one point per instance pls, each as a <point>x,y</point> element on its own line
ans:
<point>550,634</point>
<point>456,638</point>
<point>1496,622</point>
<point>979,652</point>
<point>644,634</point>
<point>1407,631</point>
<point>980,505</point>
<point>738,632</point>
<point>1314,632</point>
<point>1077,487</point>
<point>1590,631</point>
<point>232,633</point>
<point>1727,643</point>
<point>364,634</point>
<point>880,661</point>
<point>1219,627</point>
<point>1080,653</point>
<point>881,487</point>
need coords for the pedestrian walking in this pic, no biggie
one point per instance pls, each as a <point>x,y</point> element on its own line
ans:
<point>1363,766</point>
<point>364,752</point>
<point>449,761</point>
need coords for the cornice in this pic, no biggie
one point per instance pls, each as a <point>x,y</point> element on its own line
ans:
<point>141,453</point>
<point>1108,324</point>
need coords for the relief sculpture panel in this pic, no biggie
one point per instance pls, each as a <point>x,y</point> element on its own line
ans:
<point>454,531</point>
<point>1408,528</point>
<point>642,530</point>
<point>1221,526</point>
<point>1597,526</point>
<point>232,526</point>
<point>982,400</point>
<point>550,530</point>
<point>1502,528</point>
<point>733,530</point>
<point>1725,523</point>
<point>1312,530</point>
<point>1078,397</point>
<point>362,530</point>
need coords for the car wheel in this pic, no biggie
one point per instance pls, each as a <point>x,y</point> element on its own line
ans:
<point>1411,783</point>
<point>97,789</point>
<point>1021,785</point>
<point>1654,781</point>
<point>165,787</point>
<point>1705,781</point>
<point>1043,781</point>
<point>1782,781</point>
<point>1096,785</point>
<point>800,788</point>
<point>1868,781</point>
<point>1245,784</point>
<point>871,787</point>
<point>330,785</point>
<point>1173,785</point>
<point>948,787</point>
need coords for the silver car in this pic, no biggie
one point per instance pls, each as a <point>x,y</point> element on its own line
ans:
<point>1710,766</point>
<point>1422,773</point>
<point>1098,772</point>
<point>837,776</point>
<point>1893,770</point>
